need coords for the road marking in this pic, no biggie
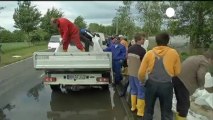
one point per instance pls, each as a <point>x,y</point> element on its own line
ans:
<point>16,56</point>
<point>41,75</point>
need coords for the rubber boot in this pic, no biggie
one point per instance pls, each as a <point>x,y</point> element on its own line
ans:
<point>177,117</point>
<point>140,107</point>
<point>133,102</point>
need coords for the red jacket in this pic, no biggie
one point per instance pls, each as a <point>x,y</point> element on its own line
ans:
<point>69,32</point>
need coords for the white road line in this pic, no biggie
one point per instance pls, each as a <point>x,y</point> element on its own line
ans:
<point>41,75</point>
<point>15,63</point>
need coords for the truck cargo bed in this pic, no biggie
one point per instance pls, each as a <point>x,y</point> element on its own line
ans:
<point>72,61</point>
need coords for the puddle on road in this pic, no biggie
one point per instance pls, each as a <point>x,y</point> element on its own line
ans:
<point>40,103</point>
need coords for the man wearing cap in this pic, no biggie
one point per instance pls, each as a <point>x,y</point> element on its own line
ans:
<point>69,32</point>
<point>118,56</point>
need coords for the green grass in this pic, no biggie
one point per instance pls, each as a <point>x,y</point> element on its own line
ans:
<point>6,47</point>
<point>24,52</point>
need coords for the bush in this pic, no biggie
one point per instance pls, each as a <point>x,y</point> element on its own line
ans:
<point>19,36</point>
<point>35,37</point>
<point>6,36</point>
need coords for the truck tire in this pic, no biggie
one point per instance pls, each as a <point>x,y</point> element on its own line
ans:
<point>55,88</point>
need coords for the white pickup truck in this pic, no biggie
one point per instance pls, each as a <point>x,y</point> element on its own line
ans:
<point>75,68</point>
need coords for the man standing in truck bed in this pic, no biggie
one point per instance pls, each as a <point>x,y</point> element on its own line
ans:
<point>69,32</point>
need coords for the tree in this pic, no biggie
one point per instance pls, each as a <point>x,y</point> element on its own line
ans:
<point>195,21</point>
<point>151,14</point>
<point>18,36</point>
<point>6,36</point>
<point>93,27</point>
<point>124,20</point>
<point>26,17</point>
<point>79,21</point>
<point>45,21</point>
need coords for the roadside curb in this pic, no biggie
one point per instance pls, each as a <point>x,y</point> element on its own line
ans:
<point>126,106</point>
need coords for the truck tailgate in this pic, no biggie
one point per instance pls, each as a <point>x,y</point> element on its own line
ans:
<point>72,61</point>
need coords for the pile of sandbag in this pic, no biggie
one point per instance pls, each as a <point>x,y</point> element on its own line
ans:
<point>200,98</point>
<point>203,97</point>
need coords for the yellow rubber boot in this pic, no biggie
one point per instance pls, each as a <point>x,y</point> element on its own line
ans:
<point>133,102</point>
<point>140,107</point>
<point>177,117</point>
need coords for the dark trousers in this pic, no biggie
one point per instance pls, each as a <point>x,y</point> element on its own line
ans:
<point>86,41</point>
<point>116,66</point>
<point>163,91</point>
<point>125,63</point>
<point>182,96</point>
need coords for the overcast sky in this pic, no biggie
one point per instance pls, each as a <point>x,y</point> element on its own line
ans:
<point>101,12</point>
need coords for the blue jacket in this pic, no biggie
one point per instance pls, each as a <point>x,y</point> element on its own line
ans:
<point>118,53</point>
<point>109,42</point>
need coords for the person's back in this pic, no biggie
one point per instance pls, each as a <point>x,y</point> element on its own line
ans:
<point>161,64</point>
<point>87,33</point>
<point>192,77</point>
<point>66,23</point>
<point>189,74</point>
<point>69,32</point>
<point>170,59</point>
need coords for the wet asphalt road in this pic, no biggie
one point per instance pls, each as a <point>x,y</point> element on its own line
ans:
<point>24,97</point>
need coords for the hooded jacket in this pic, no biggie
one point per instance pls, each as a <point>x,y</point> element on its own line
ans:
<point>171,61</point>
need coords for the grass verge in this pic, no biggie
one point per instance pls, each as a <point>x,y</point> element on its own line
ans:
<point>7,58</point>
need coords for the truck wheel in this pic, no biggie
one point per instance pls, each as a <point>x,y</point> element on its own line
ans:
<point>55,88</point>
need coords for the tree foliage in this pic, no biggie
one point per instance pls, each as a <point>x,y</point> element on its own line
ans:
<point>195,20</point>
<point>107,30</point>
<point>45,20</point>
<point>5,36</point>
<point>26,17</point>
<point>79,21</point>
<point>124,20</point>
<point>151,14</point>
